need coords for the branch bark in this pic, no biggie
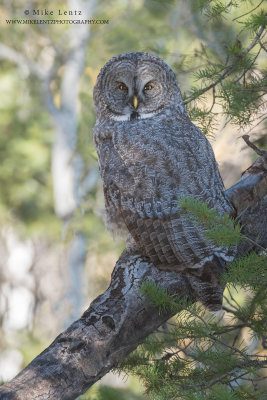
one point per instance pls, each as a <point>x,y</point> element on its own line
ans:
<point>120,319</point>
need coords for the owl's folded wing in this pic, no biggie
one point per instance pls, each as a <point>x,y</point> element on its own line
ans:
<point>168,238</point>
<point>175,243</point>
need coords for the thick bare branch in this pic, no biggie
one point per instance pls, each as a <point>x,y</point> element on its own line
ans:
<point>251,188</point>
<point>113,326</point>
<point>118,320</point>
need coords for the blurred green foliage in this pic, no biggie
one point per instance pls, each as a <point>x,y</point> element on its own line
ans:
<point>201,40</point>
<point>194,37</point>
<point>102,392</point>
<point>25,147</point>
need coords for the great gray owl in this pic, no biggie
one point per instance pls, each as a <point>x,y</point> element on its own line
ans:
<point>151,154</point>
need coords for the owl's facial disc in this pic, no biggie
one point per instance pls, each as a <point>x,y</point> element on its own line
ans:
<point>136,91</point>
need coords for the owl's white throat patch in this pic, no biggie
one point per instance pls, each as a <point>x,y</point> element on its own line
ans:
<point>127,117</point>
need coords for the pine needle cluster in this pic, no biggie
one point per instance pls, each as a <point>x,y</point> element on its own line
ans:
<point>229,80</point>
<point>196,356</point>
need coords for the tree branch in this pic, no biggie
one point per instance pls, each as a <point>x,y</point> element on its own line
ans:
<point>228,69</point>
<point>112,327</point>
<point>249,12</point>
<point>7,53</point>
<point>120,319</point>
<point>253,147</point>
<point>251,188</point>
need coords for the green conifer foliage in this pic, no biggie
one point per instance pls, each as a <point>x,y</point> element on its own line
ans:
<point>233,75</point>
<point>200,356</point>
<point>197,355</point>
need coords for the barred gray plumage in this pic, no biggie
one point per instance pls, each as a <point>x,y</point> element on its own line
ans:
<point>151,154</point>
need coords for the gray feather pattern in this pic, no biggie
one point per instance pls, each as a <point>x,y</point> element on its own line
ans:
<point>146,164</point>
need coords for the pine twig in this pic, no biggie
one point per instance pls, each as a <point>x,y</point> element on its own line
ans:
<point>249,12</point>
<point>228,70</point>
<point>253,147</point>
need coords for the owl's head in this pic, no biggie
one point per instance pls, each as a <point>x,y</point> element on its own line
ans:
<point>136,86</point>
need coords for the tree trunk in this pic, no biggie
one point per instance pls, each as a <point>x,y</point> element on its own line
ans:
<point>67,165</point>
<point>120,319</point>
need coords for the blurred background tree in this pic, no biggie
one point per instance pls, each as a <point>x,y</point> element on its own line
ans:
<point>55,253</point>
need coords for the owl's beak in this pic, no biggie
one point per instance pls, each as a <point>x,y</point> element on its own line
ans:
<point>135,102</point>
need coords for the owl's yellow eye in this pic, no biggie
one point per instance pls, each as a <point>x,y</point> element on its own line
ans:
<point>122,86</point>
<point>148,86</point>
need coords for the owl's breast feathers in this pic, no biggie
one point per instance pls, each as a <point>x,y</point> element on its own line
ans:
<point>145,168</point>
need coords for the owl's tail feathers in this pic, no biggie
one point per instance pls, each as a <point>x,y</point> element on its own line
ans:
<point>209,295</point>
<point>207,284</point>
